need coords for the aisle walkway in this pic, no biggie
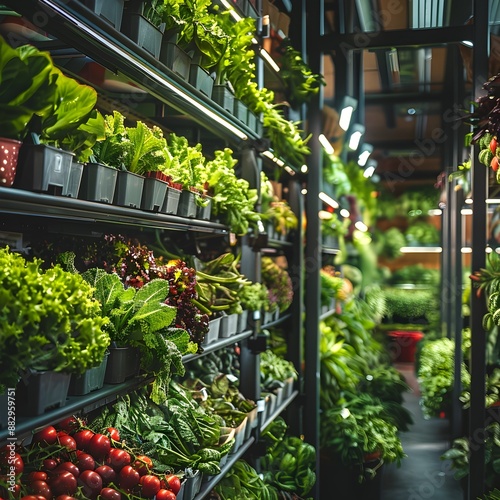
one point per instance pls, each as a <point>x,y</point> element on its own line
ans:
<point>422,475</point>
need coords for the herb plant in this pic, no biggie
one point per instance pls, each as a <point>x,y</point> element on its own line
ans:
<point>278,283</point>
<point>50,320</point>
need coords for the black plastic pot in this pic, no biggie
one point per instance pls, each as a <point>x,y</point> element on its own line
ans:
<point>91,380</point>
<point>43,168</point>
<point>187,204</point>
<point>145,34</point>
<point>153,194</point>
<point>123,363</point>
<point>240,111</point>
<point>174,58</point>
<point>200,79</point>
<point>129,188</point>
<point>41,391</point>
<point>110,10</point>
<point>171,202</point>
<point>223,97</point>
<point>74,180</point>
<point>98,183</point>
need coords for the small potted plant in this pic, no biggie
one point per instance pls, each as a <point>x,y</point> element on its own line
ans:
<point>46,160</point>
<point>253,298</point>
<point>53,327</point>
<point>140,319</point>
<point>279,285</point>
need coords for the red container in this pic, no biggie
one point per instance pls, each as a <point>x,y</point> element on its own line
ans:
<point>403,345</point>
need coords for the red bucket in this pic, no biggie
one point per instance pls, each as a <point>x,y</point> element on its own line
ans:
<point>403,345</point>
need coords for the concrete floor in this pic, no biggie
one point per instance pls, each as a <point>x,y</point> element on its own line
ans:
<point>422,475</point>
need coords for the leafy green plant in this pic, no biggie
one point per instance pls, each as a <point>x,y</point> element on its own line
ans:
<point>253,296</point>
<point>301,83</point>
<point>138,149</point>
<point>232,197</point>
<point>357,426</point>
<point>278,283</point>
<point>140,318</point>
<point>289,462</point>
<point>435,375</point>
<point>390,242</point>
<point>416,274</point>
<point>281,216</point>
<point>408,304</point>
<point>331,285</point>
<point>422,233</point>
<point>27,87</point>
<point>274,370</point>
<point>50,319</point>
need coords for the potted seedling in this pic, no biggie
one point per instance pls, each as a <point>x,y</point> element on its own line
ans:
<point>53,327</point>
<point>27,89</point>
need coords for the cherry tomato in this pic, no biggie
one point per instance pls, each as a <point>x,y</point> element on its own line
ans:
<point>494,163</point>
<point>41,488</point>
<point>108,475</point>
<point>69,424</point>
<point>91,483</point>
<point>110,494</point>
<point>493,145</point>
<point>143,464</point>
<point>69,467</point>
<point>174,483</point>
<point>150,485</point>
<point>45,436</point>
<point>114,433</point>
<point>99,446</point>
<point>12,463</point>
<point>85,461</point>
<point>128,477</point>
<point>165,495</point>
<point>118,458</point>
<point>82,438</point>
<point>67,441</point>
<point>65,497</point>
<point>63,483</point>
<point>37,475</point>
<point>49,464</point>
<point>32,497</point>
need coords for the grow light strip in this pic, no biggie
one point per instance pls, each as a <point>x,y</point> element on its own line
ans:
<point>265,55</point>
<point>231,10</point>
<point>154,76</point>
<point>328,200</point>
<point>421,249</point>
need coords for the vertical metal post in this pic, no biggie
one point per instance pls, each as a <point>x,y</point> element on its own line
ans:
<point>478,306</point>
<point>312,261</point>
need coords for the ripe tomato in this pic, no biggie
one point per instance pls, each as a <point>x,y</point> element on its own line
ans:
<point>85,461</point>
<point>91,483</point>
<point>41,488</point>
<point>165,495</point>
<point>493,145</point>
<point>45,436</point>
<point>143,464</point>
<point>32,497</point>
<point>12,463</point>
<point>63,483</point>
<point>128,477</point>
<point>99,446</point>
<point>114,433</point>
<point>174,483</point>
<point>108,475</point>
<point>494,163</point>
<point>150,485</point>
<point>110,494</point>
<point>69,424</point>
<point>69,467</point>
<point>65,497</point>
<point>37,475</point>
<point>82,438</point>
<point>49,464</point>
<point>117,459</point>
<point>67,441</point>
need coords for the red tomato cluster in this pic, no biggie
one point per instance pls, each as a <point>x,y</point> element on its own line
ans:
<point>493,148</point>
<point>86,464</point>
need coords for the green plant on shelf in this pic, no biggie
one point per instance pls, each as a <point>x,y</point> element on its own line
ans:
<point>408,304</point>
<point>422,233</point>
<point>51,320</point>
<point>28,88</point>
<point>140,318</point>
<point>358,426</point>
<point>281,216</point>
<point>390,242</point>
<point>253,296</point>
<point>279,285</point>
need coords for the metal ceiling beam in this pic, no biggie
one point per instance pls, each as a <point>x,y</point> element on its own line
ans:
<point>397,38</point>
<point>386,84</point>
<point>402,98</point>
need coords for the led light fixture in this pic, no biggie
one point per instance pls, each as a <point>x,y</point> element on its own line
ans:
<point>326,144</point>
<point>356,132</point>
<point>347,108</point>
<point>345,213</point>
<point>366,151</point>
<point>328,200</point>
<point>265,55</point>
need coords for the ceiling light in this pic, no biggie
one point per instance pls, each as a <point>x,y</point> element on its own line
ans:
<point>326,144</point>
<point>369,171</point>
<point>325,215</point>
<point>328,200</point>
<point>467,43</point>
<point>304,191</point>
<point>304,169</point>
<point>345,213</point>
<point>411,111</point>
<point>421,249</point>
<point>357,131</point>
<point>347,107</point>
<point>366,151</point>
